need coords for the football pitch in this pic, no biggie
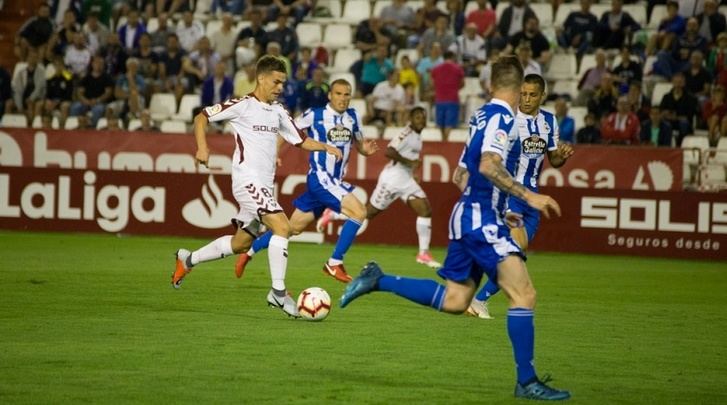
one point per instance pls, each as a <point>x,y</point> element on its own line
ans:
<point>93,318</point>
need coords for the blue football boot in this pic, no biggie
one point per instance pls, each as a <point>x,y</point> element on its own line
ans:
<point>363,284</point>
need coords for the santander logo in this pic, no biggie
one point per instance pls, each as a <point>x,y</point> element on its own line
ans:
<point>211,211</point>
<point>661,176</point>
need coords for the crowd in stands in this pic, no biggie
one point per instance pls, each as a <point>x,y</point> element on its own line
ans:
<point>642,81</point>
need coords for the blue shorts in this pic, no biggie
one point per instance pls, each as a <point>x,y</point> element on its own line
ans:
<point>478,253</point>
<point>323,192</point>
<point>531,216</point>
<point>447,115</point>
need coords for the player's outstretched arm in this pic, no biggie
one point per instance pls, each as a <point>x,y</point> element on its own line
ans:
<point>367,147</point>
<point>558,157</point>
<point>492,168</point>
<point>312,145</point>
<point>200,135</point>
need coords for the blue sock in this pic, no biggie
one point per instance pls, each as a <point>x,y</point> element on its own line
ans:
<point>421,291</point>
<point>261,242</point>
<point>521,330</point>
<point>348,234</point>
<point>488,291</point>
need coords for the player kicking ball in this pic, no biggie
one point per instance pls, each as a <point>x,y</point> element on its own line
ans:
<point>479,241</point>
<point>397,181</point>
<point>337,126</point>
<point>539,136</point>
<point>257,119</point>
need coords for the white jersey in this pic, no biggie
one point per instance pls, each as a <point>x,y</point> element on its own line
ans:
<point>538,135</point>
<point>397,180</point>
<point>327,126</point>
<point>256,125</point>
<point>409,145</point>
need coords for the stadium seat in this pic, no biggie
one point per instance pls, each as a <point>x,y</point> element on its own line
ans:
<point>720,153</point>
<point>392,132</point>
<point>134,124</point>
<point>649,65</point>
<point>637,11</point>
<point>657,13</point>
<point>152,25</point>
<point>344,58</point>
<point>18,67</point>
<point>213,26</point>
<point>712,175</point>
<point>337,36</point>
<point>355,11</point>
<point>544,11</point>
<point>71,123</point>
<point>38,122</point>
<point>501,6</point>
<point>346,76</point>
<point>432,135</point>
<point>471,88</point>
<point>162,106</point>
<point>411,53</point>
<point>562,67</point>
<point>565,88</point>
<point>50,71</point>
<point>579,116</point>
<point>470,7</point>
<point>380,5</point>
<point>370,132</point>
<point>687,174</point>
<point>359,105</point>
<point>309,34</point>
<point>458,135</point>
<point>660,89</point>
<point>588,61</point>
<point>242,25</point>
<point>334,6</point>
<point>14,121</point>
<point>599,9</point>
<point>563,11</point>
<point>102,123</point>
<point>188,103</point>
<point>471,105</point>
<point>173,127</point>
<point>693,147</point>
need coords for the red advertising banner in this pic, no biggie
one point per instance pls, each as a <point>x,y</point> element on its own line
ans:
<point>610,167</point>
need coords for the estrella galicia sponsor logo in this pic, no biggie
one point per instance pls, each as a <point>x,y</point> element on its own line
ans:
<point>339,134</point>
<point>533,146</point>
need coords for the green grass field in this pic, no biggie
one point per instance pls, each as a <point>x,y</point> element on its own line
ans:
<point>91,318</point>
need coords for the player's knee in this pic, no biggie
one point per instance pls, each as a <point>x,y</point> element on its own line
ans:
<point>358,212</point>
<point>455,304</point>
<point>528,297</point>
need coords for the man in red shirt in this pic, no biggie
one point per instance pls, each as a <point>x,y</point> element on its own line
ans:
<point>484,17</point>
<point>621,127</point>
<point>448,78</point>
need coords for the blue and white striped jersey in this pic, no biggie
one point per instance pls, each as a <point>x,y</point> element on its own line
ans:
<point>492,129</point>
<point>538,135</point>
<point>326,125</point>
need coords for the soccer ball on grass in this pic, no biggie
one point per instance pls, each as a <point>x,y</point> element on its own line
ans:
<point>314,304</point>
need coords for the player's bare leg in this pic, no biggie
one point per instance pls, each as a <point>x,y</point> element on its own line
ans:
<point>520,236</point>
<point>356,213</point>
<point>278,260</point>
<point>424,230</point>
<point>221,247</point>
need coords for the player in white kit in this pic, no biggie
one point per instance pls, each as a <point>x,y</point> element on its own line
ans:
<point>397,181</point>
<point>257,120</point>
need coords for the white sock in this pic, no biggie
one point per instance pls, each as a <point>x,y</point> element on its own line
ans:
<point>278,259</point>
<point>334,262</point>
<point>424,232</point>
<point>217,249</point>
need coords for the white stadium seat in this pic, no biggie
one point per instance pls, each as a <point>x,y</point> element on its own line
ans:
<point>14,121</point>
<point>720,154</point>
<point>162,106</point>
<point>392,132</point>
<point>588,61</point>
<point>657,13</point>
<point>380,5</point>
<point>359,105</point>
<point>544,11</point>
<point>413,55</point>
<point>563,11</point>
<point>356,11</point>
<point>471,88</point>
<point>660,89</point>
<point>370,132</point>
<point>579,116</point>
<point>334,6</point>
<point>712,175</point>
<point>213,26</point>
<point>38,122</point>
<point>501,6</point>
<point>346,76</point>
<point>309,34</point>
<point>344,58</point>
<point>470,7</point>
<point>458,135</point>
<point>565,87</point>
<point>337,36</point>
<point>693,147</point>
<point>71,123</point>
<point>102,123</point>
<point>188,103</point>
<point>599,9</point>
<point>432,135</point>
<point>563,66</point>
<point>174,127</point>
<point>134,124</point>
<point>637,12</point>
<point>152,25</point>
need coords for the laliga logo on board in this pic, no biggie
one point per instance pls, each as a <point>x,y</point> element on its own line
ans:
<point>661,175</point>
<point>211,211</point>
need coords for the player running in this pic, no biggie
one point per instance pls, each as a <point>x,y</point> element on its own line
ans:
<point>538,130</point>
<point>479,240</point>
<point>397,181</point>
<point>257,119</point>
<point>337,126</point>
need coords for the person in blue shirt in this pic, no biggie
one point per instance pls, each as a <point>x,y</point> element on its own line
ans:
<point>566,123</point>
<point>479,241</point>
<point>314,92</point>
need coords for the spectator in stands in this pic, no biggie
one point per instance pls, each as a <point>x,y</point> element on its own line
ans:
<point>411,99</point>
<point>447,79</point>
<point>77,56</point>
<point>159,37</point>
<point>6,92</point>
<point>711,21</point>
<point>58,96</point>
<point>455,11</point>
<point>255,31</point>
<point>129,91</point>
<point>425,66</point>
<point>638,102</point>
<point>245,80</point>
<point>171,6</point>
<point>440,33</point>
<point>113,123</point>
<point>591,79</point>
<point>578,29</point>
<point>28,85</point>
<point>524,54</point>
<point>513,20</point>
<point>427,15</point>
<point>201,63</point>
<point>408,75</point>
<point>217,87</point>
<point>714,114</point>
<point>95,91</point>
<point>627,71</point>
<point>96,33</point>
<point>305,61</point>
<point>484,18</point>
<point>615,27</point>
<point>292,90</point>
<point>273,48</point>
<point>314,93</point>
<point>370,34</point>
<point>603,101</point>
<point>697,78</point>
<point>34,33</point>
<point>677,60</point>
<point>189,32</point>
<point>376,68</point>
<point>670,27</point>
<point>171,74</point>
<point>566,123</point>
<point>101,8</point>
<point>130,32</point>
<point>717,60</point>
<point>486,73</point>
<point>297,8</point>
<point>621,127</point>
<point>147,124</point>
<point>469,49</point>
<point>148,64</point>
<point>399,15</point>
<point>655,131</point>
<point>114,55</point>
<point>531,35</point>
<point>679,107</point>
<point>286,37</point>
<point>589,133</point>
<point>385,104</point>
<point>223,41</point>
<point>61,39</point>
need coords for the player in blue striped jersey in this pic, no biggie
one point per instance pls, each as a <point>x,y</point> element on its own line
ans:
<point>538,132</point>
<point>338,125</point>
<point>479,240</point>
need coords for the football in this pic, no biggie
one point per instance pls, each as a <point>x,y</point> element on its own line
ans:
<point>314,304</point>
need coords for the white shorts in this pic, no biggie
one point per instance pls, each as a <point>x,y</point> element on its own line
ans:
<point>255,200</point>
<point>393,185</point>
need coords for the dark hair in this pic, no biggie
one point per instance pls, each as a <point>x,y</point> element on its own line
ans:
<point>269,63</point>
<point>507,72</point>
<point>449,55</point>
<point>533,78</point>
<point>418,109</point>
